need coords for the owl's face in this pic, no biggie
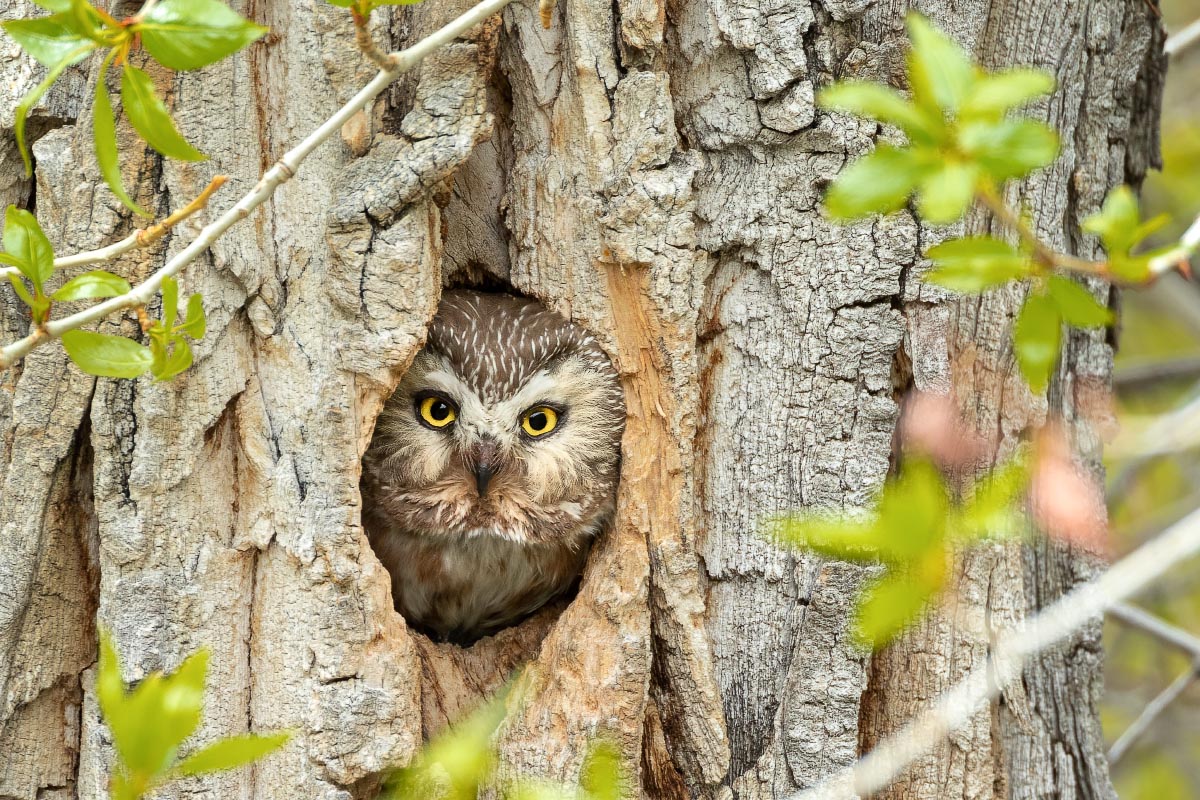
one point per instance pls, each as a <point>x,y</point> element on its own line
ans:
<point>508,423</point>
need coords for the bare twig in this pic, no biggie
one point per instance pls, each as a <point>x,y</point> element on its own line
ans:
<point>366,42</point>
<point>284,169</point>
<point>956,707</point>
<point>1177,256</point>
<point>1158,628</point>
<point>1154,371</point>
<point>1151,712</point>
<point>145,236</point>
<point>1183,39</point>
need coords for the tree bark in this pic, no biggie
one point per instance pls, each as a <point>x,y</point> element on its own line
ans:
<point>653,171</point>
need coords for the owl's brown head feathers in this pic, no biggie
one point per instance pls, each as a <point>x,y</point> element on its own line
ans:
<point>506,428</point>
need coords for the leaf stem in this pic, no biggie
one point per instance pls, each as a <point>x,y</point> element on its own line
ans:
<point>1043,253</point>
<point>283,170</point>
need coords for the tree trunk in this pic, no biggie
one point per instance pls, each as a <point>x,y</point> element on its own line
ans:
<point>653,172</point>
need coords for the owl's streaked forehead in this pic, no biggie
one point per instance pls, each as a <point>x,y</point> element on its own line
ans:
<point>496,342</point>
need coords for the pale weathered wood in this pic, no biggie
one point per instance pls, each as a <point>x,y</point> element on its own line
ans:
<point>652,170</point>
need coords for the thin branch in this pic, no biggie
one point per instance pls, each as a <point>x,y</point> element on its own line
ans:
<point>145,236</point>
<point>956,707</point>
<point>1151,712</point>
<point>1158,628</point>
<point>366,42</point>
<point>1154,371</point>
<point>1183,39</point>
<point>1044,254</point>
<point>284,169</point>
<point>1177,256</point>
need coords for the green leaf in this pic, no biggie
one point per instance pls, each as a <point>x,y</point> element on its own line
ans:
<point>50,40</point>
<point>28,245</point>
<point>54,5</point>
<point>190,34</point>
<point>150,118</point>
<point>1010,148</point>
<point>994,94</point>
<point>21,290</point>
<point>912,511</point>
<point>975,263</point>
<point>1077,305</point>
<point>940,71</point>
<point>1037,336</point>
<point>601,777</point>
<point>107,356</point>
<point>194,325</point>
<point>834,536</point>
<point>889,606</point>
<point>171,365</point>
<point>876,101</point>
<point>947,192</point>
<point>879,182</point>
<point>233,752</point>
<point>90,285</point>
<point>1117,223</point>
<point>170,302</point>
<point>104,137</point>
<point>993,508</point>
<point>21,114</point>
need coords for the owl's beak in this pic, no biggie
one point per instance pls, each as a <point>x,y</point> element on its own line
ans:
<point>485,464</point>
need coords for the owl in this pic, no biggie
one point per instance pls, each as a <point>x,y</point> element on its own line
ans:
<point>493,465</point>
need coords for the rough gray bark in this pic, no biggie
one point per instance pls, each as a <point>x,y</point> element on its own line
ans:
<point>653,171</point>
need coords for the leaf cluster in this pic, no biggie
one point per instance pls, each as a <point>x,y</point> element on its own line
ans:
<point>29,250</point>
<point>460,762</point>
<point>915,522</point>
<point>962,144</point>
<point>151,721</point>
<point>178,34</point>
<point>960,137</point>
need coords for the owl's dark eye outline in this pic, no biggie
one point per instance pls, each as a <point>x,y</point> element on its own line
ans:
<point>435,411</point>
<point>554,416</point>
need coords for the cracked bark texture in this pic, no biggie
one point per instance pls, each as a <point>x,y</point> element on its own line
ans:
<point>652,170</point>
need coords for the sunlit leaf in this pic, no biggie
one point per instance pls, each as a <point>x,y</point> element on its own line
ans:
<point>912,510</point>
<point>150,118</point>
<point>194,324</point>
<point>889,606</point>
<point>993,508</point>
<point>834,536</point>
<point>1037,336</point>
<point>1077,305</point>
<point>876,101</point>
<point>230,753</point>
<point>940,71</point>
<point>104,138</point>
<point>50,39</point>
<point>453,765</point>
<point>54,5</point>
<point>996,93</point>
<point>975,263</point>
<point>878,183</point>
<point>91,285</point>
<point>178,360</point>
<point>21,290</point>
<point>1010,148</point>
<point>601,777</point>
<point>25,242</point>
<point>21,113</point>
<point>170,302</point>
<point>946,192</point>
<point>190,34</point>
<point>105,355</point>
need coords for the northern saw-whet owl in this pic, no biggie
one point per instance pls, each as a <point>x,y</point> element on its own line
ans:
<point>493,465</point>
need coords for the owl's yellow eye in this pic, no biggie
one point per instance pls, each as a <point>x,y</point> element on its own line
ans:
<point>539,420</point>
<point>436,412</point>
